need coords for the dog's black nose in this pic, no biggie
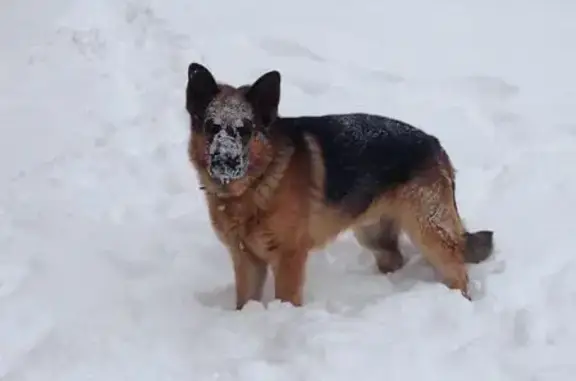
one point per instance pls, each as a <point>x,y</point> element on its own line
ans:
<point>226,163</point>
<point>231,162</point>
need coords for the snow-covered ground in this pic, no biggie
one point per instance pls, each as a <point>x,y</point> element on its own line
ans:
<point>108,267</point>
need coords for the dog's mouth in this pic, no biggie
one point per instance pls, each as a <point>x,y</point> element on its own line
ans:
<point>227,169</point>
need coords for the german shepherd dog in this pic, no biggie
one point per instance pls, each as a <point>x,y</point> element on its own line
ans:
<point>279,187</point>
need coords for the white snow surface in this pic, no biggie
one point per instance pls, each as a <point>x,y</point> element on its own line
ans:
<point>109,269</point>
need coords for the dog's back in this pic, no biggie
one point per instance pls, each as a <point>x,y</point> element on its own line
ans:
<point>363,155</point>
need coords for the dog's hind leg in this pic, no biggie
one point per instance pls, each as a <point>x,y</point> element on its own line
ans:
<point>381,238</point>
<point>431,219</point>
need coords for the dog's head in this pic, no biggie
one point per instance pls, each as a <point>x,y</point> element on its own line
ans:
<point>231,124</point>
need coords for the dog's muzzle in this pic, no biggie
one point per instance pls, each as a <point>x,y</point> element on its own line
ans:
<point>228,160</point>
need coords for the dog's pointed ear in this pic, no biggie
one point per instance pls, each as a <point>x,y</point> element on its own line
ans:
<point>201,89</point>
<point>264,95</point>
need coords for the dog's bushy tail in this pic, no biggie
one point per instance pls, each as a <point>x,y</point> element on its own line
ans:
<point>479,246</point>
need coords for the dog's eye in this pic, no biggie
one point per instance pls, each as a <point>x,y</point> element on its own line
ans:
<point>244,132</point>
<point>212,128</point>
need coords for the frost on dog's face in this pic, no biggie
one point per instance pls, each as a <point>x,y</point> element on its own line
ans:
<point>233,122</point>
<point>228,126</point>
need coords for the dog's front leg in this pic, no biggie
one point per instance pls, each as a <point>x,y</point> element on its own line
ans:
<point>289,273</point>
<point>249,274</point>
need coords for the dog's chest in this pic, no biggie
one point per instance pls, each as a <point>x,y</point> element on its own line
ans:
<point>244,226</point>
